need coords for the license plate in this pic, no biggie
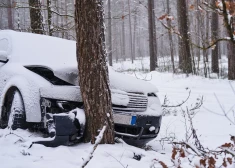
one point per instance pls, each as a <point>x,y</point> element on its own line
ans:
<point>124,119</point>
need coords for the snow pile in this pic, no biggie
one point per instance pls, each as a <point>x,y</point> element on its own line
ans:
<point>213,130</point>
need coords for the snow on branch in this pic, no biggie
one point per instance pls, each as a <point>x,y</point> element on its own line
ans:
<point>99,138</point>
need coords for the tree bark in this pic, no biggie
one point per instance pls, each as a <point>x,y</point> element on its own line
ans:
<point>134,38</point>
<point>36,16</point>
<point>9,14</point>
<point>231,49</point>
<point>231,61</point>
<point>152,36</point>
<point>130,30</point>
<point>123,34</point>
<point>93,71</point>
<point>170,38</point>
<point>184,47</point>
<point>110,55</point>
<point>214,35</point>
<point>49,14</point>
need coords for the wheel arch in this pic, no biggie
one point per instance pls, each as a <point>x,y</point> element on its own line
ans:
<point>30,96</point>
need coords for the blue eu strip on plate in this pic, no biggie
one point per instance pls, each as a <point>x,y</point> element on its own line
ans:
<point>133,120</point>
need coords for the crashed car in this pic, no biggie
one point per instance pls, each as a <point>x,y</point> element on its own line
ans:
<point>39,90</point>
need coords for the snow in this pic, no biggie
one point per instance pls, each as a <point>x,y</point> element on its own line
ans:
<point>213,131</point>
<point>152,128</point>
<point>22,48</point>
<point>119,97</point>
<point>129,83</point>
<point>28,84</point>
<point>69,93</point>
<point>59,55</point>
<point>212,127</point>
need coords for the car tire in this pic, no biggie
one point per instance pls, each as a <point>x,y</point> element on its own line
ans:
<point>14,116</point>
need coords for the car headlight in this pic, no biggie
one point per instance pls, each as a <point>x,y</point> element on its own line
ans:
<point>153,99</point>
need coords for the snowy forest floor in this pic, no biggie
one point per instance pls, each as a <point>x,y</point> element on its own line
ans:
<point>212,127</point>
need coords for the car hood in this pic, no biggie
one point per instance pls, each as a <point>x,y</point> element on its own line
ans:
<point>118,81</point>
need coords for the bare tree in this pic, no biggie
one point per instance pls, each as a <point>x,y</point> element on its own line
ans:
<point>231,46</point>
<point>36,16</point>
<point>93,71</point>
<point>110,55</point>
<point>214,34</point>
<point>152,36</point>
<point>123,33</point>
<point>9,13</point>
<point>170,37</point>
<point>184,47</point>
<point>130,30</point>
<point>49,20</point>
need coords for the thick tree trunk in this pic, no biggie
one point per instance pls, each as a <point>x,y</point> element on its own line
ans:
<point>152,36</point>
<point>214,35</point>
<point>184,46</point>
<point>36,16</point>
<point>110,55</point>
<point>93,71</point>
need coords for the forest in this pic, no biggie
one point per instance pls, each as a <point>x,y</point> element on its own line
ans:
<point>194,36</point>
<point>145,83</point>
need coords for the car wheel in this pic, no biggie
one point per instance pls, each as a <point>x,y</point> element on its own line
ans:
<point>14,113</point>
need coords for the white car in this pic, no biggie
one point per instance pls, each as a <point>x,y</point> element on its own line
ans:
<point>39,90</point>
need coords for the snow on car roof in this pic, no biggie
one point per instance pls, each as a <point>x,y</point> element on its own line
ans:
<point>29,48</point>
<point>56,53</point>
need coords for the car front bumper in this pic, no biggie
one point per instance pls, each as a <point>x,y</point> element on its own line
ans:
<point>139,130</point>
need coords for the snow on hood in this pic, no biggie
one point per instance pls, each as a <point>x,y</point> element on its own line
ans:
<point>129,84</point>
<point>59,55</point>
<point>118,81</point>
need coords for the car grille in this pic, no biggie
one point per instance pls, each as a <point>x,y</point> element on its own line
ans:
<point>137,103</point>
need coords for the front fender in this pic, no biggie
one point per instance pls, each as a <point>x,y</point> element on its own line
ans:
<point>30,94</point>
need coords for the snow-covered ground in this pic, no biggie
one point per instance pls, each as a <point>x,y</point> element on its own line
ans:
<point>212,129</point>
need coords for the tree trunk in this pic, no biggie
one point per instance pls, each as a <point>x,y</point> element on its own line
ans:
<point>123,34</point>
<point>130,30</point>
<point>198,30</point>
<point>93,71</point>
<point>214,35</point>
<point>36,16</point>
<point>231,61</point>
<point>231,50</point>
<point>184,46</point>
<point>152,36</point>
<point>170,38</point>
<point>49,14</point>
<point>9,14</point>
<point>134,38</point>
<point>110,55</point>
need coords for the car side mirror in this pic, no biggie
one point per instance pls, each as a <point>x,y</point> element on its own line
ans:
<point>4,49</point>
<point>3,56</point>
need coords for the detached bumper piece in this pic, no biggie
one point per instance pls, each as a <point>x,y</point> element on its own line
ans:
<point>62,129</point>
<point>141,130</point>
